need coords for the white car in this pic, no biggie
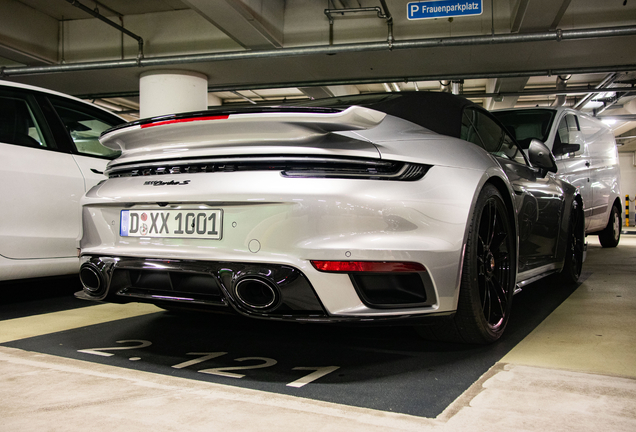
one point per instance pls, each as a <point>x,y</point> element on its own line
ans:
<point>586,156</point>
<point>50,157</point>
<point>391,207</point>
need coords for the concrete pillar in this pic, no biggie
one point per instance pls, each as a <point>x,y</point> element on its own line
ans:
<point>171,91</point>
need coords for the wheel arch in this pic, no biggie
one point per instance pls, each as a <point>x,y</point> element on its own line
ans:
<point>504,188</point>
<point>619,204</point>
<point>506,193</point>
<point>565,221</point>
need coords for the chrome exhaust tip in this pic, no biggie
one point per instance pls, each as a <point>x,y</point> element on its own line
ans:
<point>95,278</point>
<point>257,294</point>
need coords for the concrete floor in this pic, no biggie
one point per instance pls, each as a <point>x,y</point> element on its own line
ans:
<point>576,371</point>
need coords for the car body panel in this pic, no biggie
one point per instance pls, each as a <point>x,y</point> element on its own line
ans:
<point>604,173</point>
<point>42,180</point>
<point>51,181</point>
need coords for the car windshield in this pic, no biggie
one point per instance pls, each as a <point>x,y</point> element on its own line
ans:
<point>526,125</point>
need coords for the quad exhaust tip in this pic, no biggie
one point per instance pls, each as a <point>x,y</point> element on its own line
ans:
<point>94,278</point>
<point>252,292</point>
<point>257,294</point>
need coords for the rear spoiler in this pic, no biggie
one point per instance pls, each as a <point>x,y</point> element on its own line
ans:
<point>287,124</point>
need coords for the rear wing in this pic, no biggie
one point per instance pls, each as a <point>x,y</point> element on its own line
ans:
<point>210,129</point>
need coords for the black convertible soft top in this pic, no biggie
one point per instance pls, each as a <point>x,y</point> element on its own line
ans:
<point>436,111</point>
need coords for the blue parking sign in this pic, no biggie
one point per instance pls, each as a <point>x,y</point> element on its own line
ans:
<point>443,8</point>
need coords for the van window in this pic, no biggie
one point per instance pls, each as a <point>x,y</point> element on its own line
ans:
<point>568,132</point>
<point>567,125</point>
<point>526,125</point>
<point>18,124</point>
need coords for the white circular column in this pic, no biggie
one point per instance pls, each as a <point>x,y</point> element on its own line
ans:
<point>170,91</point>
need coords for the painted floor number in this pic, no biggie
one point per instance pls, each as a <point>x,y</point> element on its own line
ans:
<point>228,371</point>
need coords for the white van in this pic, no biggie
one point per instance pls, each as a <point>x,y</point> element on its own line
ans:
<point>586,155</point>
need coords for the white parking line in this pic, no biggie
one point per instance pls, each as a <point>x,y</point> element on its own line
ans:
<point>36,325</point>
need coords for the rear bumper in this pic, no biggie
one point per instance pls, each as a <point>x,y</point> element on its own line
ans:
<point>257,290</point>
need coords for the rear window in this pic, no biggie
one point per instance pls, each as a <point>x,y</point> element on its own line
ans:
<point>526,125</point>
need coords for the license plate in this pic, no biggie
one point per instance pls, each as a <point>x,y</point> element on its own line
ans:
<point>204,224</point>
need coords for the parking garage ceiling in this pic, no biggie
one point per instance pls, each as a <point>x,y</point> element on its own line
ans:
<point>515,53</point>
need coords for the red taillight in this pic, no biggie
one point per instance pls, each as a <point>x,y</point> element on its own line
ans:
<point>184,120</point>
<point>367,266</point>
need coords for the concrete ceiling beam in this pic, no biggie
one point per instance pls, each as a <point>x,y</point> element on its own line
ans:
<point>257,25</point>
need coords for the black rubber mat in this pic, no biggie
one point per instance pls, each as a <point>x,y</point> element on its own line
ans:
<point>37,296</point>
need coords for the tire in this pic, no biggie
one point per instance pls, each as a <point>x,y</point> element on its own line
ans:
<point>488,277</point>
<point>575,246</point>
<point>611,235</point>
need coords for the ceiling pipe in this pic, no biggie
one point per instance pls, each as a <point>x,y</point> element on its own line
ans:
<point>140,41</point>
<point>558,35</point>
<point>244,97</point>
<point>457,87</point>
<point>561,84</point>
<point>613,101</point>
<point>609,79</point>
<point>101,5</point>
<point>304,84</point>
<point>389,23</point>
<point>445,86</point>
<point>382,12</point>
<point>568,91</point>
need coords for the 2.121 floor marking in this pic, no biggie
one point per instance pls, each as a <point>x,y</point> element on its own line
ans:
<point>265,362</point>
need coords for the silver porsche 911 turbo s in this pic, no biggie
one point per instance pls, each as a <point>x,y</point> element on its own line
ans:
<point>401,207</point>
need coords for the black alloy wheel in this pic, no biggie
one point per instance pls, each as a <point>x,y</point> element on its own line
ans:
<point>493,263</point>
<point>575,245</point>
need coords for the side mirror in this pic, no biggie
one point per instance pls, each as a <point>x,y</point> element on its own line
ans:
<point>566,148</point>
<point>541,157</point>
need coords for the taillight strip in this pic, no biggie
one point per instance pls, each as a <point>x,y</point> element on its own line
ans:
<point>184,120</point>
<point>367,266</point>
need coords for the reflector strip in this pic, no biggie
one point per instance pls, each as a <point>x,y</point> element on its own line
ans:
<point>367,266</point>
<point>184,120</point>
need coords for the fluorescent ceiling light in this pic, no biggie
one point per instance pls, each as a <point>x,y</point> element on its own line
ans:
<point>592,105</point>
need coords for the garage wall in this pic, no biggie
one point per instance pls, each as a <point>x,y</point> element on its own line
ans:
<point>628,182</point>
